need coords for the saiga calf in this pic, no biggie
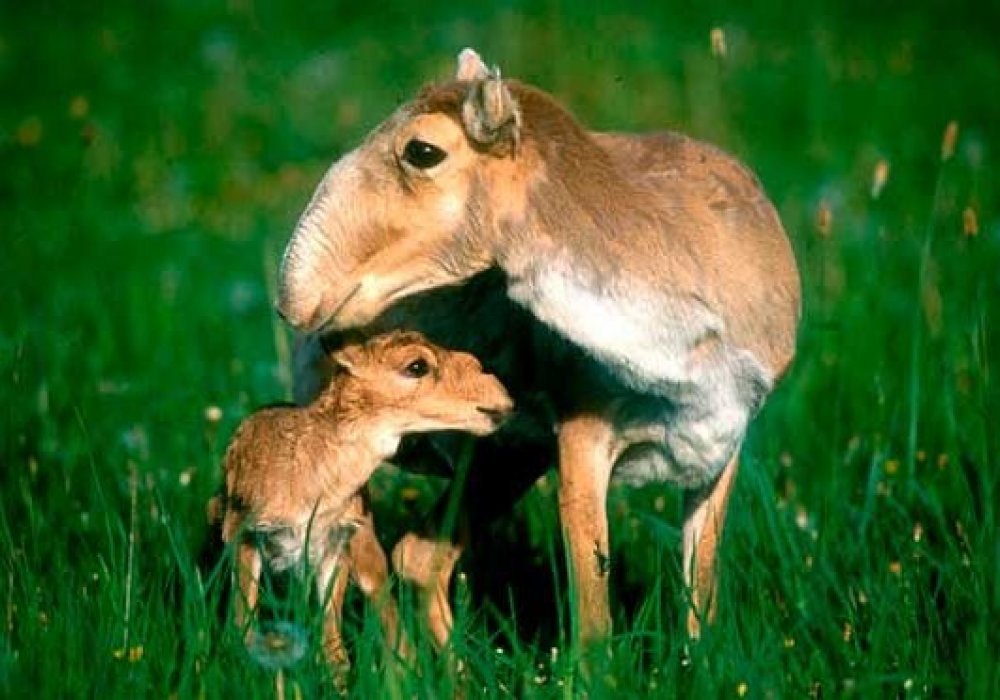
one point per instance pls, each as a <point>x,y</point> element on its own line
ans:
<point>293,475</point>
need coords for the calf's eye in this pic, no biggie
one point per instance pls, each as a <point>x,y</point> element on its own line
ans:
<point>417,369</point>
<point>421,154</point>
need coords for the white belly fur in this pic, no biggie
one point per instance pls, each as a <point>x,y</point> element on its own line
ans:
<point>690,408</point>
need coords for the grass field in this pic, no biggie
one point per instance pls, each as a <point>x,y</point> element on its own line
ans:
<point>153,159</point>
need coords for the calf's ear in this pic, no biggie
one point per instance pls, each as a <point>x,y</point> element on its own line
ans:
<point>491,115</point>
<point>347,358</point>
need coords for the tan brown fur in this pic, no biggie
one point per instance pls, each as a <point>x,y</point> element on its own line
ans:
<point>663,294</point>
<point>672,196</point>
<point>294,475</point>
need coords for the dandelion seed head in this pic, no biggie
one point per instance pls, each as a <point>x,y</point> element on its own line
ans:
<point>279,645</point>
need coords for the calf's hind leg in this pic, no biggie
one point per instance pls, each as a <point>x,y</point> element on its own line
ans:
<point>370,571</point>
<point>500,474</point>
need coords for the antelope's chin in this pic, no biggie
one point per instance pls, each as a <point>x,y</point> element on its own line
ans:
<point>363,305</point>
<point>343,312</point>
<point>347,316</point>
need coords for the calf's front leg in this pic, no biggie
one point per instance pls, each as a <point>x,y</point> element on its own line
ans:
<point>331,587</point>
<point>586,457</point>
<point>705,516</point>
<point>247,574</point>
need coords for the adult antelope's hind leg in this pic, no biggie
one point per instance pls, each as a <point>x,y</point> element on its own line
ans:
<point>705,517</point>
<point>585,461</point>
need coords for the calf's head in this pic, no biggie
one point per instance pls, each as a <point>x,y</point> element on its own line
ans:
<point>413,386</point>
<point>414,207</point>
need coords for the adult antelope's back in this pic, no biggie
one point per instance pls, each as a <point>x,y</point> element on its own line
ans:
<point>643,285</point>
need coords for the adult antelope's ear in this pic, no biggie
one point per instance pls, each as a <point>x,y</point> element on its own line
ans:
<point>491,115</point>
<point>471,66</point>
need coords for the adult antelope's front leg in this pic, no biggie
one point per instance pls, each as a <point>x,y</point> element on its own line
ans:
<point>585,461</point>
<point>705,516</point>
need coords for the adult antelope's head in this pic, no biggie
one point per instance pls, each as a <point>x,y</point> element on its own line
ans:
<point>416,206</point>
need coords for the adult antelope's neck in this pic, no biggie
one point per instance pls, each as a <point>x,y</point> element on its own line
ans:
<point>580,208</point>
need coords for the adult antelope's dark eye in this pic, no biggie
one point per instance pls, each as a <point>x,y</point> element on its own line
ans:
<point>421,154</point>
<point>417,369</point>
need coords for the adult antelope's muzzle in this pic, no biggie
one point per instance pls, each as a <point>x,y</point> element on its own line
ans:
<point>323,249</point>
<point>300,288</point>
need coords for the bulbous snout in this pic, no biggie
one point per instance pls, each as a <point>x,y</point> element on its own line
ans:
<point>326,246</point>
<point>302,277</point>
<point>299,305</point>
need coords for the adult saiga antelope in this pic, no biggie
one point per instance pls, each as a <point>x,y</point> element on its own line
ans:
<point>637,289</point>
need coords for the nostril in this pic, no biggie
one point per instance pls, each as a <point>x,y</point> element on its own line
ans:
<point>497,415</point>
<point>303,315</point>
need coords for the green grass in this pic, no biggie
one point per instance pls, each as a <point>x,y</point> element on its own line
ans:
<point>153,159</point>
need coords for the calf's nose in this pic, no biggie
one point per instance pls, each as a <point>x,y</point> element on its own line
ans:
<point>496,415</point>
